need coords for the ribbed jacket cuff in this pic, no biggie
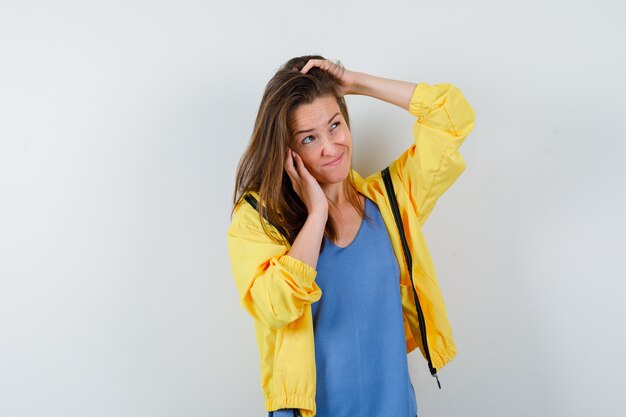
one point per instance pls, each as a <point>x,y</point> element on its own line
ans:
<point>302,272</point>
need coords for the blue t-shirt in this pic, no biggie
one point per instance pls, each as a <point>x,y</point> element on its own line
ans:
<point>360,350</point>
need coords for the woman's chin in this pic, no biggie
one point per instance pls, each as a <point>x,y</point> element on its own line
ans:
<point>337,178</point>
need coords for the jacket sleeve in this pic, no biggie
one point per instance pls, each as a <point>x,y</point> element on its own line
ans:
<point>274,288</point>
<point>432,164</point>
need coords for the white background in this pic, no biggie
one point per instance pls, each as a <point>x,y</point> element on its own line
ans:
<point>121,125</point>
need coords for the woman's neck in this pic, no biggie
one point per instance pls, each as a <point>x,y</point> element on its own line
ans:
<point>335,193</point>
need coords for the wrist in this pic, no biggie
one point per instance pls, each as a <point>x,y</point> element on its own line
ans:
<point>359,86</point>
<point>319,216</point>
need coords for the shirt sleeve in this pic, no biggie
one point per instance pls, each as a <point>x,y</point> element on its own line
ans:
<point>432,163</point>
<point>274,287</point>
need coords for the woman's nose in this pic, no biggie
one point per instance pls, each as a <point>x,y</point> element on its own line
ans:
<point>329,145</point>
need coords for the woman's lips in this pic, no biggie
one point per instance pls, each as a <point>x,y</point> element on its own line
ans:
<point>335,162</point>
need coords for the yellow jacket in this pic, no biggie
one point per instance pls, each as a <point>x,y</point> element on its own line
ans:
<point>277,290</point>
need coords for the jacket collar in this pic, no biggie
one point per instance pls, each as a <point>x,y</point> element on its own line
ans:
<point>364,185</point>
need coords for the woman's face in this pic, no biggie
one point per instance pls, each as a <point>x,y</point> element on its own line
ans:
<point>322,139</point>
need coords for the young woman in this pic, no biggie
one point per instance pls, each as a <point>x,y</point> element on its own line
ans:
<point>304,223</point>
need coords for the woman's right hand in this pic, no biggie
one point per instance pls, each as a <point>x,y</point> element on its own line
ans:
<point>305,185</point>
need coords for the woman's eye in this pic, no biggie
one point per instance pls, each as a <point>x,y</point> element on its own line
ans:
<point>306,140</point>
<point>335,125</point>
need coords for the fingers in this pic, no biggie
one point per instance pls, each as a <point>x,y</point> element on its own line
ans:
<point>310,64</point>
<point>320,63</point>
<point>296,171</point>
<point>295,167</point>
<point>301,169</point>
<point>290,165</point>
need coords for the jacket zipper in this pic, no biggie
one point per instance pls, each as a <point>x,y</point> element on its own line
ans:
<point>409,261</point>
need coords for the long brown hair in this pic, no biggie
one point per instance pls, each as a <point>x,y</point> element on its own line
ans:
<point>262,163</point>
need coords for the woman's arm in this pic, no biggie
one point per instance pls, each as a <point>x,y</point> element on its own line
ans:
<point>274,287</point>
<point>306,246</point>
<point>392,91</point>
<point>352,82</point>
<point>433,163</point>
<point>444,119</point>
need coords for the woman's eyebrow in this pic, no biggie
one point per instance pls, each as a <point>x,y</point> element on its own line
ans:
<point>311,130</point>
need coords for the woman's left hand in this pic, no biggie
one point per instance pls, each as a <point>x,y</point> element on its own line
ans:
<point>347,79</point>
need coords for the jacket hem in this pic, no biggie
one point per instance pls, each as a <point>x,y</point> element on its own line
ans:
<point>305,403</point>
<point>439,358</point>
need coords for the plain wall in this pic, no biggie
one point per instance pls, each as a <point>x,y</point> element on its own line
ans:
<point>121,125</point>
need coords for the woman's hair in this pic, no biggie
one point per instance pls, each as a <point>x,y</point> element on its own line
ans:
<point>261,167</point>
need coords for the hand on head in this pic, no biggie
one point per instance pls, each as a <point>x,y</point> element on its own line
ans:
<point>347,78</point>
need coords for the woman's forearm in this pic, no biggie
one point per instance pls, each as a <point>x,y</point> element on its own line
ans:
<point>306,246</point>
<point>392,91</point>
